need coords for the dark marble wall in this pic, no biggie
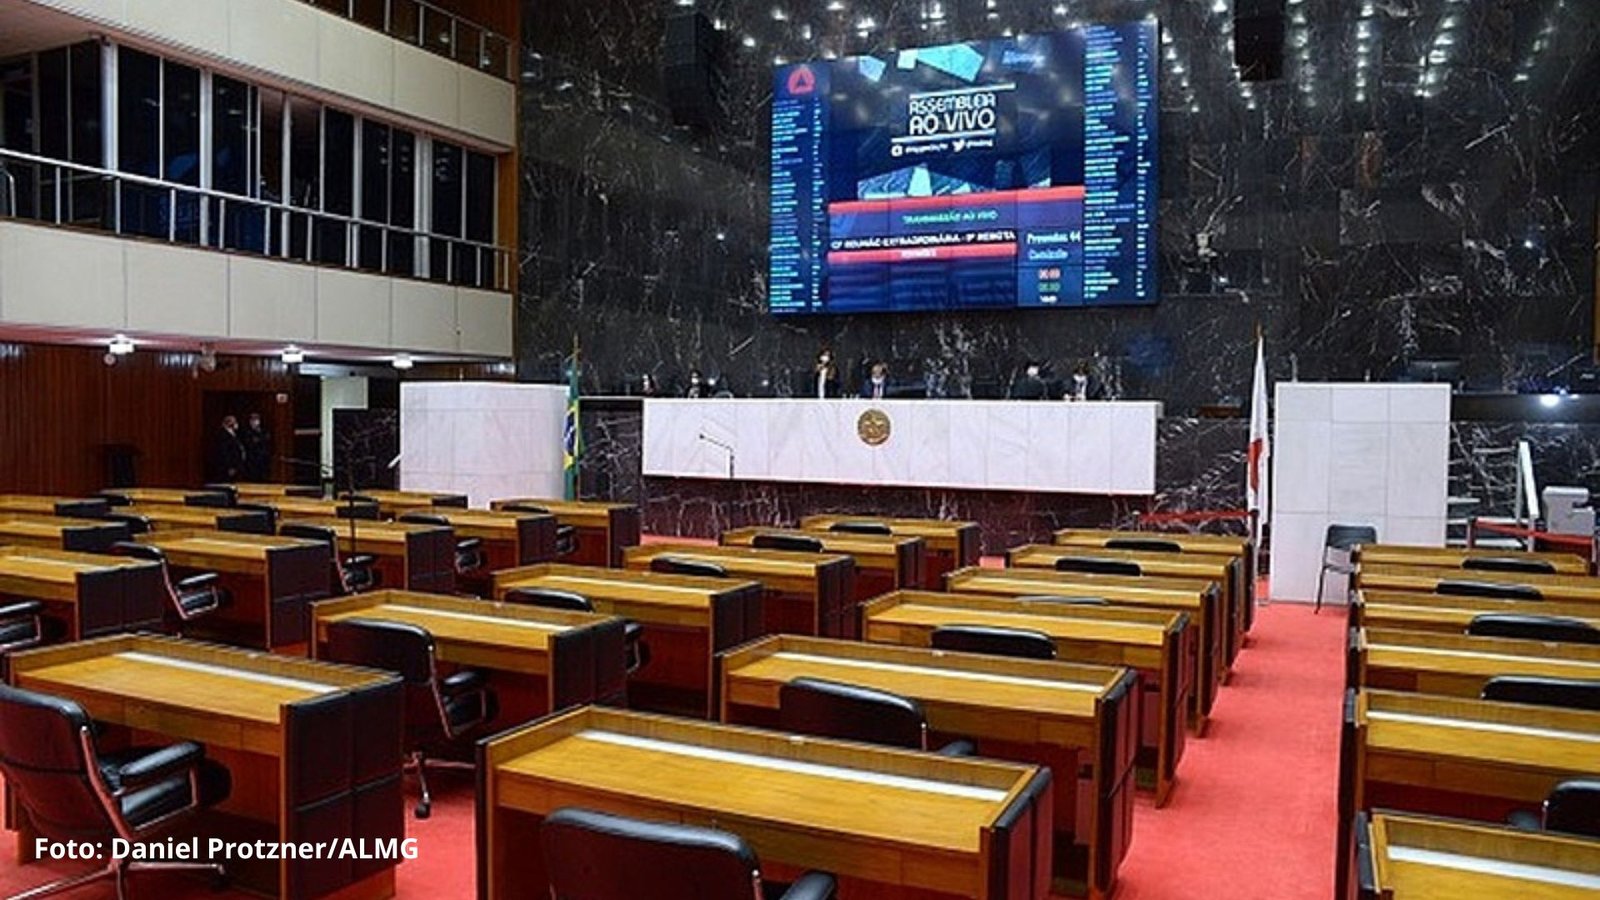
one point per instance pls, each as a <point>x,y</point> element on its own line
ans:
<point>1364,210</point>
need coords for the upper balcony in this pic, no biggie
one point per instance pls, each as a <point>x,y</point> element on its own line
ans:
<point>436,28</point>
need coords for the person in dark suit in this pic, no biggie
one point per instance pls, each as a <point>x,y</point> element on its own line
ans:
<point>227,452</point>
<point>257,441</point>
<point>825,378</point>
<point>1031,386</point>
<point>876,386</point>
<point>698,386</point>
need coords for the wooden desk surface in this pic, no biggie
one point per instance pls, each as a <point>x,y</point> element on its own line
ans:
<point>39,504</point>
<point>189,517</point>
<point>1418,858</point>
<point>483,523</point>
<point>459,620</point>
<point>753,781</point>
<point>587,513</point>
<point>1129,589</point>
<point>148,496</point>
<point>666,592</point>
<point>302,507</point>
<point>1478,657</point>
<point>1441,612</point>
<point>1454,557</point>
<point>371,537</point>
<point>46,565</point>
<point>38,527</point>
<point>1166,565</point>
<point>930,609</point>
<point>248,489</point>
<point>738,560</point>
<point>171,673</point>
<point>1214,544</point>
<point>218,546</point>
<point>998,685</point>
<point>1426,578</point>
<point>941,534</point>
<point>1480,732</point>
<point>877,551</point>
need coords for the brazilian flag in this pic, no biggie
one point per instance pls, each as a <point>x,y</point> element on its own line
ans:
<point>572,434</point>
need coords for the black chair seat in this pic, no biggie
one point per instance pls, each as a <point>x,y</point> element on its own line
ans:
<point>469,709</point>
<point>157,780</point>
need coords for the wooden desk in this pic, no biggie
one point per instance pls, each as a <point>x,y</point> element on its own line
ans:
<point>271,579</point>
<point>687,620</point>
<point>258,492</point>
<point>1456,557</point>
<point>410,557</point>
<point>168,497</point>
<point>190,518</point>
<point>58,533</point>
<point>510,539</point>
<point>308,507</point>
<point>604,529</point>
<point>1455,664</point>
<point>1203,607</point>
<point>883,563</point>
<point>1240,548</point>
<point>67,507</point>
<point>539,660</point>
<point>1453,756</point>
<point>1225,572</point>
<point>951,544</point>
<point>85,595</point>
<point>394,503</point>
<point>1071,717</point>
<point>1451,614</point>
<point>308,744</point>
<point>1405,857</point>
<point>806,593</point>
<point>1426,579</point>
<point>1158,644</point>
<point>887,822</point>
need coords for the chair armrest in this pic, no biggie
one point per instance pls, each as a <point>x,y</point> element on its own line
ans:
<point>958,748</point>
<point>21,610</point>
<point>462,683</point>
<point>812,886</point>
<point>469,545</point>
<point>198,582</point>
<point>360,561</point>
<point>161,764</point>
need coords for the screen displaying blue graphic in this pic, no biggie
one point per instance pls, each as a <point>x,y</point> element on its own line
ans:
<point>994,174</point>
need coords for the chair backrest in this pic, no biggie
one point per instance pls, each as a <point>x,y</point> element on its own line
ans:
<point>140,551</point>
<point>1569,693</point>
<point>324,533</point>
<point>1098,565</point>
<point>799,543</point>
<point>597,856</point>
<point>416,518</point>
<point>1343,537</point>
<point>1535,628</point>
<point>849,712</point>
<point>398,647</point>
<point>45,747</point>
<point>1149,545</point>
<point>1458,587</point>
<point>550,598</point>
<point>1574,807</point>
<point>1019,642</point>
<point>677,565</point>
<point>1064,599</point>
<point>861,528</point>
<point>228,490</point>
<point>526,508</point>
<point>136,523</point>
<point>1521,565</point>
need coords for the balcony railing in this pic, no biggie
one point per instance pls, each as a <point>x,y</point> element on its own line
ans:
<point>424,25</point>
<point>45,190</point>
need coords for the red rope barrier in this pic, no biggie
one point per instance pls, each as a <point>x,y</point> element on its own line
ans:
<point>1578,541</point>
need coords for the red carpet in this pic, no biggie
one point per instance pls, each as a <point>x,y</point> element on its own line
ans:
<point>1252,817</point>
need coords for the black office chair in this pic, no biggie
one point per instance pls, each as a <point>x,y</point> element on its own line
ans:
<point>71,791</point>
<point>550,598</point>
<point>1098,565</point>
<point>114,499</point>
<point>355,573</point>
<point>1568,693</point>
<point>878,528</point>
<point>1493,590</point>
<point>136,523</point>
<point>213,499</point>
<point>854,713</point>
<point>1516,564</point>
<point>21,627</point>
<point>470,557</point>
<point>797,543</point>
<point>1341,541</point>
<point>439,710</point>
<point>227,490</point>
<point>677,565</point>
<point>566,535</point>
<point>1534,628</point>
<point>1571,807</point>
<point>1018,642</point>
<point>598,856</point>
<point>191,598</point>
<point>1064,599</point>
<point>1148,545</point>
<point>271,513</point>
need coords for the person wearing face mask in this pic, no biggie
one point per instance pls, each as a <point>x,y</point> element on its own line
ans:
<point>1031,385</point>
<point>698,387</point>
<point>826,379</point>
<point>876,387</point>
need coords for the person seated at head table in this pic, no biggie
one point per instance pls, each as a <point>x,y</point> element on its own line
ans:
<point>877,386</point>
<point>1031,386</point>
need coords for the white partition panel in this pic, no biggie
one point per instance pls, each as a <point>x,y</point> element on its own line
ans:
<point>487,440</point>
<point>1360,454</point>
<point>1086,448</point>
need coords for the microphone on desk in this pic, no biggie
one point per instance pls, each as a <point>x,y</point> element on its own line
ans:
<point>727,448</point>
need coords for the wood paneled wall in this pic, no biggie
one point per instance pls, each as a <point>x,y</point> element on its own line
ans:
<point>61,407</point>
